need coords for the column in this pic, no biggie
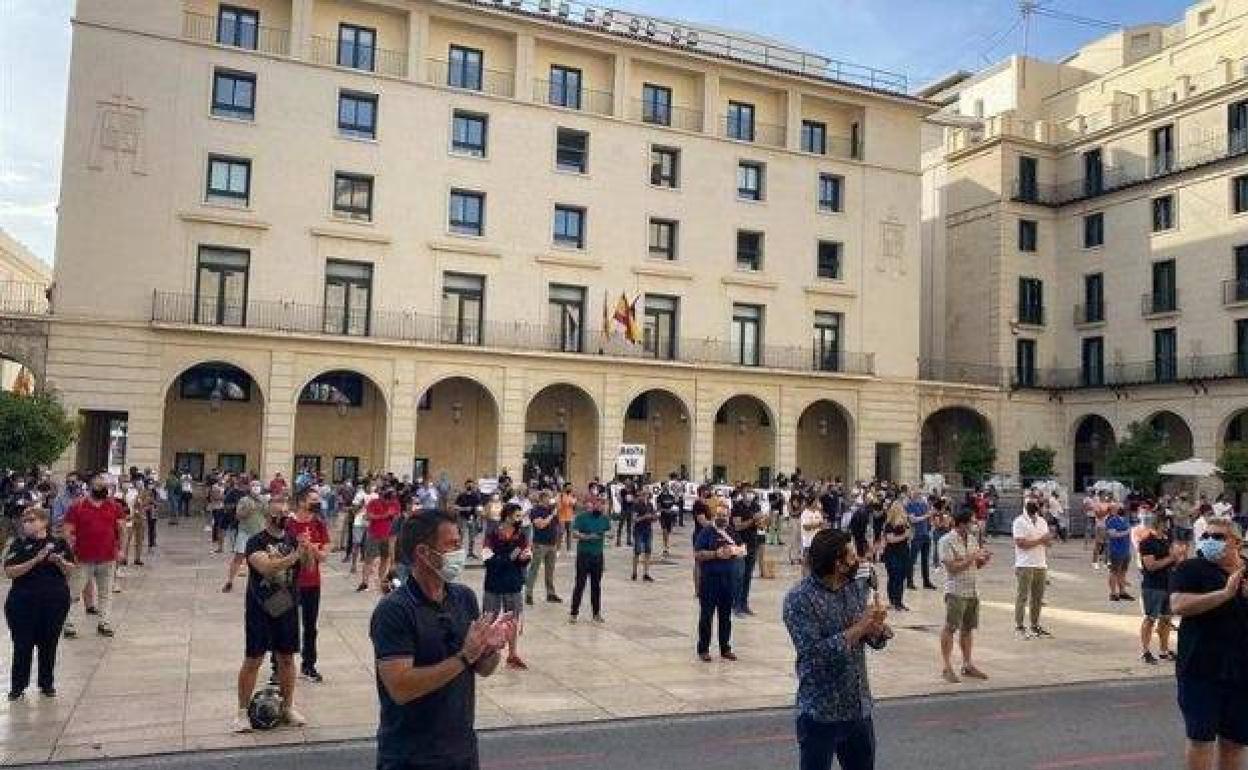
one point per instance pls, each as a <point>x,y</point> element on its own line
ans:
<point>524,67</point>
<point>793,119</point>
<point>417,45</point>
<point>703,416</point>
<point>278,434</point>
<point>301,28</point>
<point>710,104</point>
<point>786,431</point>
<point>610,423</point>
<point>620,86</point>
<point>511,421</point>
<point>401,419</point>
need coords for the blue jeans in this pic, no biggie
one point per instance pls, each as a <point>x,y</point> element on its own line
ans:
<point>744,573</point>
<point>851,743</point>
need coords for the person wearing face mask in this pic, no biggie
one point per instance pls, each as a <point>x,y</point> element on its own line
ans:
<point>430,642</point>
<point>380,514</point>
<point>1158,555</point>
<point>962,557</point>
<point>310,530</point>
<point>716,552</point>
<point>38,600</point>
<point>251,514</point>
<point>507,555</point>
<point>271,614</point>
<point>1209,592</point>
<point>93,528</point>
<point>590,529</point>
<point>830,623</point>
<point>746,517</point>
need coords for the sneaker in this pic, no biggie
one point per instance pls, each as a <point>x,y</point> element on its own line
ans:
<point>929,586</point>
<point>69,632</point>
<point>1148,657</point>
<point>599,619</point>
<point>1167,655</point>
<point>528,599</point>
<point>138,562</point>
<point>92,611</point>
<point>1022,633</point>
<point>729,655</point>
<point>15,696</point>
<point>516,663</point>
<point>241,723</point>
<point>950,677</point>
<point>361,587</point>
<point>572,620</point>
<point>553,599</point>
<point>124,563</point>
<point>312,675</point>
<point>1096,565</point>
<point>48,692</point>
<point>225,589</point>
<point>634,577</point>
<point>1041,631</point>
<point>116,587</point>
<point>974,673</point>
<point>705,657</point>
<point>1126,598</point>
<point>292,717</point>
<point>1113,597</point>
<point>647,579</point>
<point>104,629</point>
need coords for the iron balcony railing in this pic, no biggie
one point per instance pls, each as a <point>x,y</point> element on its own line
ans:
<point>587,100</point>
<point>937,370</point>
<point>1160,370</point>
<point>1235,291</point>
<point>24,298</point>
<point>487,81</point>
<point>269,315</point>
<point>839,147</point>
<point>1114,178</point>
<point>205,29</point>
<point>368,58</point>
<point>1159,303</point>
<point>759,133</point>
<point>1092,313</point>
<point>659,114</point>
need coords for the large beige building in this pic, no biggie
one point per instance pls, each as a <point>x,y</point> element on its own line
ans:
<point>394,234</point>
<point>24,281</point>
<point>1086,237</point>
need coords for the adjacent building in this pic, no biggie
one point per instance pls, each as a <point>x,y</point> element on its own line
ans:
<point>24,282</point>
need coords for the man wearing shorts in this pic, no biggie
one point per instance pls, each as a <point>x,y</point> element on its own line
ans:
<point>1208,592</point>
<point>379,513</point>
<point>1158,555</point>
<point>644,517</point>
<point>962,557</point>
<point>1118,549</point>
<point>1100,513</point>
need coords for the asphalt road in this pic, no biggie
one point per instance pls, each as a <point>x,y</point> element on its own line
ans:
<point>1103,725</point>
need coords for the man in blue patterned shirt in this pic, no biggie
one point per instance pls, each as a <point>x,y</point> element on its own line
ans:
<point>829,622</point>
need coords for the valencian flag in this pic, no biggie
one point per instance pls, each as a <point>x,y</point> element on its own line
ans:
<point>626,316</point>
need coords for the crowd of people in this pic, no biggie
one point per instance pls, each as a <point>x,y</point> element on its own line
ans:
<point>69,545</point>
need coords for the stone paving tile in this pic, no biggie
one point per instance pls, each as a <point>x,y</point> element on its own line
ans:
<point>166,682</point>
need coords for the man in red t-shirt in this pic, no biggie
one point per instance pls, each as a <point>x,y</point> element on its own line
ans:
<point>380,513</point>
<point>277,487</point>
<point>93,528</point>
<point>306,526</point>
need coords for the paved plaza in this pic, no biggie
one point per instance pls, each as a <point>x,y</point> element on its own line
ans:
<point>166,681</point>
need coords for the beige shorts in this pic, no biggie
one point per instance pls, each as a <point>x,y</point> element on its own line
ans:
<point>961,612</point>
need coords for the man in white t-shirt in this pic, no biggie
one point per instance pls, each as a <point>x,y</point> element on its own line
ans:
<point>1031,544</point>
<point>811,522</point>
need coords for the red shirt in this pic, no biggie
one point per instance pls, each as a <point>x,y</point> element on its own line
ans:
<point>380,513</point>
<point>95,529</point>
<point>309,575</point>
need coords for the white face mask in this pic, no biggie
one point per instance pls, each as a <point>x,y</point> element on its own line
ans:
<point>452,565</point>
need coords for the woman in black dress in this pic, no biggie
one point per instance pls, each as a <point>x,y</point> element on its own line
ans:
<point>39,566</point>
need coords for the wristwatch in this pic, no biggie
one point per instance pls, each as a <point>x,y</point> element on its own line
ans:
<point>464,659</point>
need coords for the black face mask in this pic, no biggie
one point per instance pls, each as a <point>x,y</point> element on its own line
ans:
<point>596,512</point>
<point>99,493</point>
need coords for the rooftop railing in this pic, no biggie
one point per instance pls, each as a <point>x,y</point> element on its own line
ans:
<point>281,316</point>
<point>24,298</point>
<point>206,29</point>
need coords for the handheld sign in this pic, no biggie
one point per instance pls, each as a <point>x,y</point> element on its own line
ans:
<point>630,460</point>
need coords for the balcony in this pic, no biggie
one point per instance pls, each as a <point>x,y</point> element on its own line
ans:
<point>1235,292</point>
<point>400,326</point>
<point>486,81</point>
<point>1156,303</point>
<point>672,116</point>
<point>1086,315</point>
<point>205,29</point>
<point>24,298</point>
<point>758,133</point>
<point>953,371</point>
<point>367,58</point>
<point>1158,371</point>
<point>597,102</point>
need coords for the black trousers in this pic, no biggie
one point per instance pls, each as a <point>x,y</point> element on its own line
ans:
<point>151,530</point>
<point>35,621</point>
<point>309,612</point>
<point>715,597</point>
<point>588,567</point>
<point>920,551</point>
<point>896,562</point>
<point>624,527</point>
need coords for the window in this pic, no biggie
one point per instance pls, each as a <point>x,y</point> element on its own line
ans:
<point>1241,348</point>
<point>309,463</point>
<point>1031,301</point>
<point>331,389</point>
<point>1094,230</point>
<point>750,181</point>
<point>469,133</point>
<point>1093,172</point>
<point>572,150</point>
<point>1165,354</point>
<point>356,47</point>
<point>659,326</point>
<point>1239,194</point>
<point>1027,234</point>
<point>570,226</point>
<point>749,250</point>
<point>348,297</point>
<point>1163,213</point>
<point>740,121</point>
<point>565,87</point>
<point>855,140</point>
<point>353,196</point>
<point>831,193</point>
<point>1237,127</point>
<point>1025,363</point>
<point>233,94</point>
<point>229,180</point>
<point>814,137</point>
<point>828,341</point>
<point>1092,369</point>
<point>665,167</point>
<point>346,469</point>
<point>463,303</point>
<point>467,213</point>
<point>464,68</point>
<point>232,462</point>
<point>567,317</point>
<point>747,322</point>
<point>208,382</point>
<point>238,26</point>
<point>1028,186</point>
<point>829,260</point>
<point>1165,296</point>
<point>1161,145</point>
<point>1094,298</point>
<point>656,104</point>
<point>357,114</point>
<point>221,286</point>
<point>1239,289</point>
<point>190,463</point>
<point>663,238</point>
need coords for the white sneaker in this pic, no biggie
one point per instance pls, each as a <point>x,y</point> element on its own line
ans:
<point>122,572</point>
<point>292,717</point>
<point>1096,565</point>
<point>241,723</point>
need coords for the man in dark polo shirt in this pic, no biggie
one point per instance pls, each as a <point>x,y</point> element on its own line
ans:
<point>430,642</point>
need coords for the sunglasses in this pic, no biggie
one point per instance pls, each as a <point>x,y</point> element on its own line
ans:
<point>1213,536</point>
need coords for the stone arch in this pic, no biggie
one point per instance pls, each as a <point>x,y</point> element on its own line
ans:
<point>824,440</point>
<point>562,433</point>
<point>664,423</point>
<point>1233,429</point>
<point>744,446</point>
<point>192,359</point>
<point>1175,429</point>
<point>1092,437</point>
<point>25,342</point>
<point>457,428</point>
<point>341,426</point>
<point>939,434</point>
<point>212,417</point>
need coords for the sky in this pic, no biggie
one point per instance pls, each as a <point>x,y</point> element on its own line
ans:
<point>922,39</point>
